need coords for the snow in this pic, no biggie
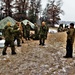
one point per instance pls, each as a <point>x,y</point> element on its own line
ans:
<point>2,43</point>
<point>33,59</point>
<point>52,31</point>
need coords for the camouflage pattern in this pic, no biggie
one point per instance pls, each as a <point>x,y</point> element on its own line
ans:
<point>43,34</point>
<point>27,31</point>
<point>70,41</point>
<point>9,39</point>
<point>17,34</point>
<point>36,35</point>
<point>70,34</point>
<point>43,31</point>
<point>36,29</point>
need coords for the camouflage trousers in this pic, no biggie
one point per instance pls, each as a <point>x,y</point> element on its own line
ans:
<point>7,44</point>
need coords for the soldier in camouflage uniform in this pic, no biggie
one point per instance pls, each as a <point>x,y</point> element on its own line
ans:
<point>60,28</point>
<point>17,35</point>
<point>9,39</point>
<point>36,28</point>
<point>43,33</point>
<point>27,29</point>
<point>70,41</point>
<point>23,26</point>
<point>36,31</point>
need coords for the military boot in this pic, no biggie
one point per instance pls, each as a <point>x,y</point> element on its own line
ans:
<point>40,42</point>
<point>43,42</point>
<point>4,51</point>
<point>13,51</point>
<point>22,41</point>
<point>18,43</point>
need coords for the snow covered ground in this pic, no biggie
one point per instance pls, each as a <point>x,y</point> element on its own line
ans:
<point>33,59</point>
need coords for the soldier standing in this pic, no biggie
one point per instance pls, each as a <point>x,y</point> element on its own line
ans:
<point>27,29</point>
<point>70,41</point>
<point>23,27</point>
<point>60,28</point>
<point>43,33</point>
<point>18,34</point>
<point>9,39</point>
<point>36,31</point>
<point>21,31</point>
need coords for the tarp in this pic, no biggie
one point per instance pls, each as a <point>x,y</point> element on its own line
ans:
<point>4,21</point>
<point>31,24</point>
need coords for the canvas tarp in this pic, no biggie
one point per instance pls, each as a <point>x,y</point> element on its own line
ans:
<point>31,24</point>
<point>4,21</point>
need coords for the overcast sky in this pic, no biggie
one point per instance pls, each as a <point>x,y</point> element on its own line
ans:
<point>68,7</point>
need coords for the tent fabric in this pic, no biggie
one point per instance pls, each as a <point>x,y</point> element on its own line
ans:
<point>31,24</point>
<point>4,21</point>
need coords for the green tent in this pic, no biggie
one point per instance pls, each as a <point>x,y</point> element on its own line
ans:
<point>4,21</point>
<point>25,22</point>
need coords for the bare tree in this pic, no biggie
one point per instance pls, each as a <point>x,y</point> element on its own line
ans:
<point>7,7</point>
<point>19,9</point>
<point>53,10</point>
<point>35,6</point>
<point>1,9</point>
<point>21,6</point>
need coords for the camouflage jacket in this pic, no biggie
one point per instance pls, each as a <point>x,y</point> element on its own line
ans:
<point>18,33</point>
<point>43,30</point>
<point>15,26</point>
<point>71,34</point>
<point>28,27</point>
<point>8,33</point>
<point>36,29</point>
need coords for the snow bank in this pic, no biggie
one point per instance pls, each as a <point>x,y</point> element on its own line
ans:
<point>52,31</point>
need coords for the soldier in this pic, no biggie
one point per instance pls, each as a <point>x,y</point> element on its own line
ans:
<point>60,28</point>
<point>18,34</point>
<point>70,41</point>
<point>36,31</point>
<point>27,28</point>
<point>43,33</point>
<point>21,29</point>
<point>9,39</point>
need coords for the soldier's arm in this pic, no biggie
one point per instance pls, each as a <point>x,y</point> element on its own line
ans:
<point>14,31</point>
